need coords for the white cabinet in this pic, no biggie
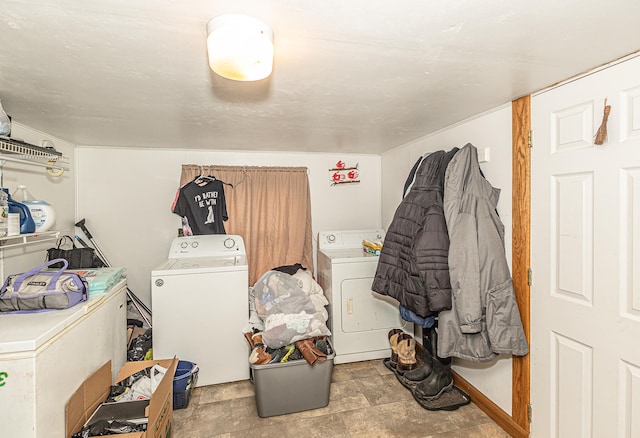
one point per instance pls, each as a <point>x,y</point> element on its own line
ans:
<point>44,357</point>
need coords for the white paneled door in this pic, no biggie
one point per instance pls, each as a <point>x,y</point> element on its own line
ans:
<point>585,256</point>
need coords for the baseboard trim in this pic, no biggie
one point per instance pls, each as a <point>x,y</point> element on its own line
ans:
<point>494,411</point>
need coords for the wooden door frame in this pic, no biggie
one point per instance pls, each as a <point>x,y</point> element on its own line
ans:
<point>521,250</point>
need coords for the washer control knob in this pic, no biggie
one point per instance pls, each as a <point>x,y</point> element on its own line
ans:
<point>194,244</point>
<point>229,243</point>
<point>331,238</point>
<point>159,282</point>
<point>183,245</point>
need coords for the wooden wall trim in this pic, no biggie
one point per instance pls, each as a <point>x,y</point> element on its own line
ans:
<point>521,250</point>
<point>492,410</point>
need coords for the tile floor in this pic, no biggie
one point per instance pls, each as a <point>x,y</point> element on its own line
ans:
<point>366,400</point>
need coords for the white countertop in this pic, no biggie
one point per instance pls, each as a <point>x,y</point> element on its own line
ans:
<point>26,332</point>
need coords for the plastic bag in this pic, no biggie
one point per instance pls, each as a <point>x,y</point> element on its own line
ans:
<point>288,311</point>
<point>140,386</point>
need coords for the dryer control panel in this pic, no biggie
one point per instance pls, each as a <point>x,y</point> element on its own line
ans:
<point>347,239</point>
<point>208,245</point>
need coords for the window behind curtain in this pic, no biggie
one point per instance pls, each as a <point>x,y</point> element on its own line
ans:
<point>270,207</point>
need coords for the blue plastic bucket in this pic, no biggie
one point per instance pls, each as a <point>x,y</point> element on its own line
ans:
<point>184,381</point>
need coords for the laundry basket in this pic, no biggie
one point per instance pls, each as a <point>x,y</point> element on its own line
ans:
<point>184,381</point>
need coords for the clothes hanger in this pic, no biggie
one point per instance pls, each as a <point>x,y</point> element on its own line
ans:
<point>245,175</point>
<point>203,180</point>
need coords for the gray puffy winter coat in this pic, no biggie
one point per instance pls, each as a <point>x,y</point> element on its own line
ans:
<point>484,319</point>
<point>413,266</point>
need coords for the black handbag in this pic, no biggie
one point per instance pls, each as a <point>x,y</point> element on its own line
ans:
<point>75,257</point>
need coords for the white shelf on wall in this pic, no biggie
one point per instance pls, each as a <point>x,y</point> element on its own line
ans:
<point>12,150</point>
<point>26,239</point>
<point>26,153</point>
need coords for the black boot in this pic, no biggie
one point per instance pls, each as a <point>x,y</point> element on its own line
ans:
<point>440,378</point>
<point>425,370</point>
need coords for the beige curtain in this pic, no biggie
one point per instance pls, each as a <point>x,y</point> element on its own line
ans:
<point>270,207</point>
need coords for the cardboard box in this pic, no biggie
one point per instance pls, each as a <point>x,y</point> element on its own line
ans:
<point>95,390</point>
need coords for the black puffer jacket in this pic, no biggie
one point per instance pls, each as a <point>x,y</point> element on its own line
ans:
<point>413,265</point>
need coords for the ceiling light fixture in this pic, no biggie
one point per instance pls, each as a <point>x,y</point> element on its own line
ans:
<point>240,47</point>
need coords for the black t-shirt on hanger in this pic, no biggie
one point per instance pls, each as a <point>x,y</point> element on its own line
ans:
<point>203,203</point>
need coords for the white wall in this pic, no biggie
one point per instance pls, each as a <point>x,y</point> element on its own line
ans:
<point>125,196</point>
<point>57,191</point>
<point>489,130</point>
<point>395,169</point>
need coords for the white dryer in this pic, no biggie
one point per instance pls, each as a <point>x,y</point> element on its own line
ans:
<point>199,299</point>
<point>359,319</point>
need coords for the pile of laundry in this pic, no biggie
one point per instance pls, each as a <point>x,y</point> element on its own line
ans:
<point>287,318</point>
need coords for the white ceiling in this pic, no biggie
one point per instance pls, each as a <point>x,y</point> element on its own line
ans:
<point>360,76</point>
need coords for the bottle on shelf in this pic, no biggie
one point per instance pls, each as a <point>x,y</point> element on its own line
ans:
<point>27,225</point>
<point>43,214</point>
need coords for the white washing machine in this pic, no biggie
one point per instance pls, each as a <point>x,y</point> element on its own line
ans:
<point>199,300</point>
<point>359,319</point>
